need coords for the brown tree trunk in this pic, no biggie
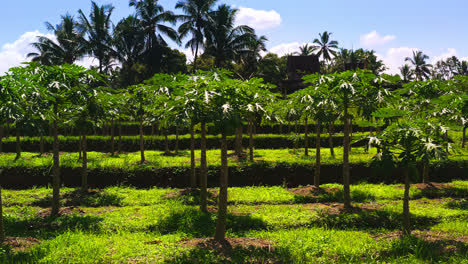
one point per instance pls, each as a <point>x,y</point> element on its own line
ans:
<point>350,127</point>
<point>193,175</point>
<point>166,143</point>
<point>306,137</point>
<point>330,139</point>
<point>464,137</point>
<point>84,165</point>
<point>425,172</point>
<point>18,144</point>
<point>41,145</point>
<point>2,228</point>
<point>447,140</point>
<point>251,140</point>
<point>112,130</point>
<point>317,154</point>
<point>346,172</point>
<point>119,147</point>
<point>142,143</point>
<point>176,148</point>
<point>56,173</point>
<point>1,139</point>
<point>152,129</point>
<point>238,142</point>
<point>406,212</point>
<point>220,234</point>
<point>203,169</point>
<point>80,140</point>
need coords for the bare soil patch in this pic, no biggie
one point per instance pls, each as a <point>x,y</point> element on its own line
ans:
<point>62,211</point>
<point>226,246</point>
<point>338,208</point>
<point>429,186</point>
<point>211,193</point>
<point>20,243</point>
<point>312,191</point>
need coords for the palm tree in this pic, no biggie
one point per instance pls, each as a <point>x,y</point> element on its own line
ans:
<point>152,16</point>
<point>325,47</point>
<point>194,21</point>
<point>305,50</point>
<point>251,58</point>
<point>421,68</point>
<point>225,41</point>
<point>406,73</point>
<point>67,48</point>
<point>98,28</point>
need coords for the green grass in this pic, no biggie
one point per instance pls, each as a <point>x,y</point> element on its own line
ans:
<point>127,225</point>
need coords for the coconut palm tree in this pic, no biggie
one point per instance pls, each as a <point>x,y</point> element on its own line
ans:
<point>325,47</point>
<point>406,73</point>
<point>98,31</point>
<point>67,48</point>
<point>421,68</point>
<point>194,21</point>
<point>225,41</point>
<point>305,50</point>
<point>250,59</point>
<point>152,17</point>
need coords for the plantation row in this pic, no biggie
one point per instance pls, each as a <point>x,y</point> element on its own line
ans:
<point>417,117</point>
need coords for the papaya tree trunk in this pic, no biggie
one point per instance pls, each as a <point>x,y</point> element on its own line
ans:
<point>350,127</point>
<point>251,140</point>
<point>406,212</point>
<point>84,165</point>
<point>203,169</point>
<point>1,139</point>
<point>425,172</point>
<point>238,142</point>
<point>306,138</point>
<point>346,172</point>
<point>18,144</point>
<point>119,147</point>
<point>447,140</point>
<point>142,143</point>
<point>330,139</point>
<point>166,143</point>
<point>41,145</point>
<point>220,234</point>
<point>193,175</point>
<point>80,150</point>
<point>176,148</point>
<point>463,137</point>
<point>152,129</point>
<point>317,154</point>
<point>56,172</point>
<point>2,228</point>
<point>112,130</point>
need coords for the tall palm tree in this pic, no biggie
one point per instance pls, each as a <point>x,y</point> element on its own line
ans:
<point>421,68</point>
<point>406,73</point>
<point>305,50</point>
<point>98,31</point>
<point>152,16</point>
<point>67,48</point>
<point>194,21</point>
<point>325,47</point>
<point>225,41</point>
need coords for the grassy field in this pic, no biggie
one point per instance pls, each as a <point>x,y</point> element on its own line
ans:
<point>125,225</point>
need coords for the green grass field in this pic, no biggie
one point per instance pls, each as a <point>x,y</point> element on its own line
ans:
<point>125,225</point>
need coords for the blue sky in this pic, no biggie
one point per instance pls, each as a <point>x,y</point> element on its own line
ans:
<point>392,28</point>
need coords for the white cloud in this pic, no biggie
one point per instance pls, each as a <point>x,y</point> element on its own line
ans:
<point>373,39</point>
<point>449,53</point>
<point>287,48</point>
<point>258,19</point>
<point>395,58</point>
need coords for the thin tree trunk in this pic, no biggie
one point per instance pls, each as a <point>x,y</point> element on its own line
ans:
<point>112,138</point>
<point>18,144</point>
<point>119,148</point>
<point>80,140</point>
<point>223,188</point>
<point>41,145</point>
<point>142,143</point>
<point>152,129</point>
<point>317,154</point>
<point>464,137</point>
<point>2,228</point>
<point>193,175</point>
<point>350,127</point>
<point>1,139</point>
<point>425,172</point>
<point>84,165</point>
<point>251,140</point>
<point>346,172</point>
<point>330,139</point>
<point>238,142</point>
<point>203,169</point>
<point>406,212</point>
<point>56,173</point>
<point>195,59</point>
<point>176,148</point>
<point>447,140</point>
<point>306,137</point>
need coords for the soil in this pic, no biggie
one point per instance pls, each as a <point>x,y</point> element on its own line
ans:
<point>211,193</point>
<point>429,186</point>
<point>312,190</point>
<point>338,208</point>
<point>62,211</point>
<point>20,243</point>
<point>226,246</point>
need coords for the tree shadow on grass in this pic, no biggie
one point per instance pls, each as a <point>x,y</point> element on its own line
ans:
<point>453,192</point>
<point>427,250</point>
<point>333,196</point>
<point>197,224</point>
<point>369,220</point>
<point>461,204</point>
<point>49,227</point>
<point>94,198</point>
